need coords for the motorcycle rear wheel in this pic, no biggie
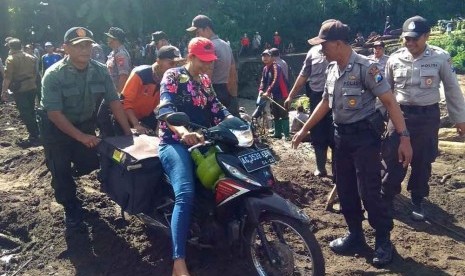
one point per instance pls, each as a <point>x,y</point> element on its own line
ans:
<point>292,243</point>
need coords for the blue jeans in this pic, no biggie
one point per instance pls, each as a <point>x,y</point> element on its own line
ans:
<point>178,165</point>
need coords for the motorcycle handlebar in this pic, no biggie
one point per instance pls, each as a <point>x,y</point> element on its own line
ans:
<point>206,143</point>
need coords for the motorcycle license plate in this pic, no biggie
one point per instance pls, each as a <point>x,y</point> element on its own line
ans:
<point>256,160</point>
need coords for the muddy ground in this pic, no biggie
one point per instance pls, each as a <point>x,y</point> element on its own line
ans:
<point>34,241</point>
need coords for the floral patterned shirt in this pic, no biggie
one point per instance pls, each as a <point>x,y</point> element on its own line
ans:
<point>180,92</point>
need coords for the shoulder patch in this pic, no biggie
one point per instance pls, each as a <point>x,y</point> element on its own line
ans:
<point>376,74</point>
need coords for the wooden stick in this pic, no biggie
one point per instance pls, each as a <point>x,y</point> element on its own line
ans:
<point>331,199</point>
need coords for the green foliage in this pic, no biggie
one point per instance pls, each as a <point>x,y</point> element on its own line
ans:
<point>295,20</point>
<point>455,45</point>
<point>459,62</point>
<point>303,101</point>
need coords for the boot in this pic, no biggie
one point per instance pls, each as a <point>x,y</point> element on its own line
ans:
<point>418,212</point>
<point>277,129</point>
<point>383,250</point>
<point>285,128</point>
<point>73,215</point>
<point>320,156</point>
<point>352,241</point>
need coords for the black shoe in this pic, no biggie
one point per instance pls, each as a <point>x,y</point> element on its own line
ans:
<point>29,142</point>
<point>418,212</point>
<point>383,254</point>
<point>73,216</point>
<point>350,242</point>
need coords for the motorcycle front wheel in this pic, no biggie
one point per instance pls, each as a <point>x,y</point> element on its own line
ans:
<point>293,248</point>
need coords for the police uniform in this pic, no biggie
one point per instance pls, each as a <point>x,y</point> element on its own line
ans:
<point>381,62</point>
<point>119,63</point>
<point>77,95</point>
<point>322,134</point>
<point>220,75</point>
<point>415,83</point>
<point>351,95</point>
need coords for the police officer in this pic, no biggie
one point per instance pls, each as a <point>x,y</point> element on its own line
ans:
<point>415,72</point>
<point>223,74</point>
<point>352,85</point>
<point>119,66</point>
<point>72,89</point>
<point>379,56</point>
<point>313,77</point>
<point>20,78</point>
<point>119,61</point>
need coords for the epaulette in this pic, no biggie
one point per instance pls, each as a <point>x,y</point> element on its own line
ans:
<point>400,50</point>
<point>363,60</point>
<point>438,50</point>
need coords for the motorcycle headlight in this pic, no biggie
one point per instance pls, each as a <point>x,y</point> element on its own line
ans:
<point>244,137</point>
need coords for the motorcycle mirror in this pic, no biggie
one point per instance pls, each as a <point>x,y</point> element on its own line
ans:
<point>177,119</point>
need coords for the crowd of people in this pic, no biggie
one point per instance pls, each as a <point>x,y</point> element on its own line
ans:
<point>351,97</point>
<point>256,45</point>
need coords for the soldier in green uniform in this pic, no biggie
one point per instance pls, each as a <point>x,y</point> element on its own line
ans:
<point>72,89</point>
<point>20,78</point>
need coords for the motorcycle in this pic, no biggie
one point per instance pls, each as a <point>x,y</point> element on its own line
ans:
<point>235,206</point>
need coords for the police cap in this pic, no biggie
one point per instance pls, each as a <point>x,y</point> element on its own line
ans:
<point>415,27</point>
<point>331,30</point>
<point>116,33</point>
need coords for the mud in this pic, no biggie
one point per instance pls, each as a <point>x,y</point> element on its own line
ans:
<point>34,240</point>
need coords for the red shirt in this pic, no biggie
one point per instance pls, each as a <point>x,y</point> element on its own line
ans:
<point>277,40</point>
<point>245,41</point>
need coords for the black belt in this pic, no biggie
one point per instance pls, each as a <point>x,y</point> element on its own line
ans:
<point>352,128</point>
<point>418,108</point>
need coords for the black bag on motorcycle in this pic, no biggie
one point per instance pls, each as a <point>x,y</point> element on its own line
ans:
<point>130,171</point>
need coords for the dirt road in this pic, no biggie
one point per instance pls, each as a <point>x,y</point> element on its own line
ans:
<point>33,239</point>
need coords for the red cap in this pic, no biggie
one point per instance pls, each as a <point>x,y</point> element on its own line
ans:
<point>202,48</point>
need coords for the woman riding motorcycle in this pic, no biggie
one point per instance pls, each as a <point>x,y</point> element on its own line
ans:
<point>186,89</point>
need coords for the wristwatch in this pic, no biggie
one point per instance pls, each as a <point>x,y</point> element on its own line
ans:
<point>404,133</point>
